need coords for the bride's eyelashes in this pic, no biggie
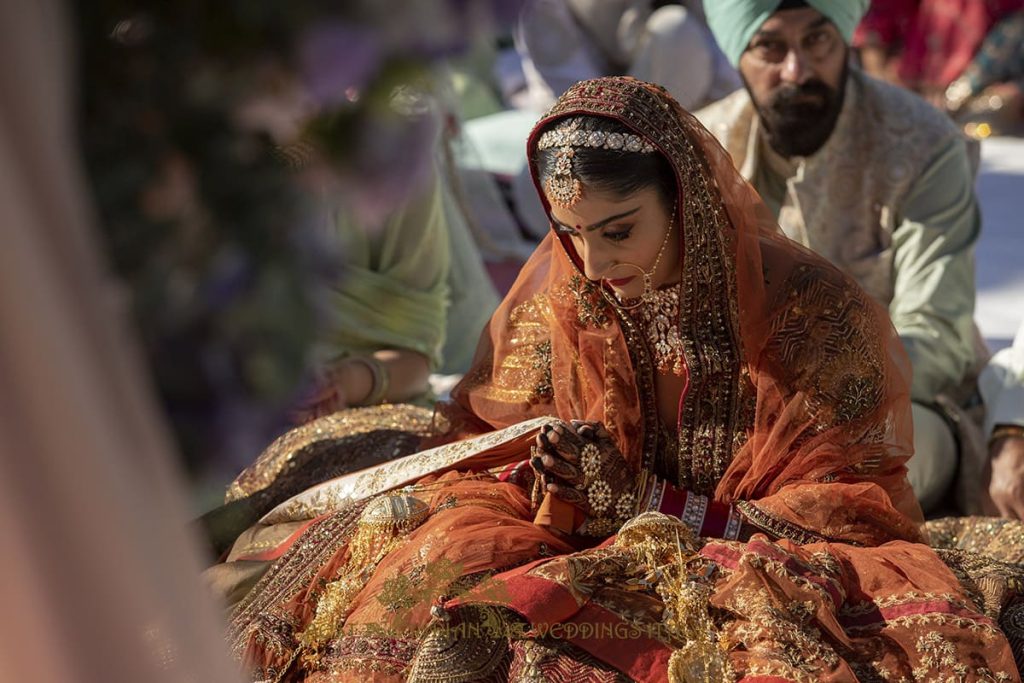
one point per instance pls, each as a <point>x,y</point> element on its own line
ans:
<point>614,234</point>
<point>619,233</point>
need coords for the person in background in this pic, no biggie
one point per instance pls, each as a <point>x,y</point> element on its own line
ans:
<point>412,299</point>
<point>404,317</point>
<point>870,176</point>
<point>1002,387</point>
<point>964,56</point>
<point>561,42</point>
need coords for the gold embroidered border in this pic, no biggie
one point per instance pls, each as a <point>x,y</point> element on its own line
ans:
<point>257,618</point>
<point>340,492</point>
<point>779,528</point>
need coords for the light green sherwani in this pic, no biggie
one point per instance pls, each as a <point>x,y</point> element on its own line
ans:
<point>890,200</point>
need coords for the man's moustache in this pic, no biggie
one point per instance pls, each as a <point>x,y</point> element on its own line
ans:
<point>798,98</point>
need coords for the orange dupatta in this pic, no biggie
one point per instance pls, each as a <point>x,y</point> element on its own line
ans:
<point>797,402</point>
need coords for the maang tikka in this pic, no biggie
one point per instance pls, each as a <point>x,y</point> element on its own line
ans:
<point>563,187</point>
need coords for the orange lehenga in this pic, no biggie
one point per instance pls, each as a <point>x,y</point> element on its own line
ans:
<point>441,566</point>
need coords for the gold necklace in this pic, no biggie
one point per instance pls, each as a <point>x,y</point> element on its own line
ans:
<point>658,317</point>
<point>656,311</point>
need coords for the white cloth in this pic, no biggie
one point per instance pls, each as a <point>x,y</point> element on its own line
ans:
<point>1001,384</point>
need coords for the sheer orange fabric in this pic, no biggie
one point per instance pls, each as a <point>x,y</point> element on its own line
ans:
<point>798,385</point>
<point>796,410</point>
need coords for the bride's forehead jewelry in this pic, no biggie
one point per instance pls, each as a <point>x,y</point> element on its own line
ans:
<point>563,188</point>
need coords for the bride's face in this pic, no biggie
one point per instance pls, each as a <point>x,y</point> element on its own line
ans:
<point>616,238</point>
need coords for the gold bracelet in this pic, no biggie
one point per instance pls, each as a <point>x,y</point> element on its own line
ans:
<point>379,388</point>
<point>1006,431</point>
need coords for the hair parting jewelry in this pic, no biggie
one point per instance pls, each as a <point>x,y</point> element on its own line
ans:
<point>563,187</point>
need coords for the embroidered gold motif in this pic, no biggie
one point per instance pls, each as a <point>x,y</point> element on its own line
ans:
<point>841,370</point>
<point>385,522</point>
<point>591,308</point>
<point>524,375</point>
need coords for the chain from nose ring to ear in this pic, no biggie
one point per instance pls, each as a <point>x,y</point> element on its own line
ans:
<point>647,296</point>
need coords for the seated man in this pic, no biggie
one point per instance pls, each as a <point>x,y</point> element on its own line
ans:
<point>868,175</point>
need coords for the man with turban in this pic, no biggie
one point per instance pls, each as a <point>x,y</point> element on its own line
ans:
<point>875,179</point>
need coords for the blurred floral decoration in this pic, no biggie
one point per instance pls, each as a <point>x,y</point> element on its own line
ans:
<point>207,128</point>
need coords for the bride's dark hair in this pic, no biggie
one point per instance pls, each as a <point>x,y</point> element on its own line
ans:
<point>618,172</point>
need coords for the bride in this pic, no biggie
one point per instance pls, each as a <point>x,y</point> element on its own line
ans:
<point>679,455</point>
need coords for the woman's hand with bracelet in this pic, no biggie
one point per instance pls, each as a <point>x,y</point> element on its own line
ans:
<point>350,382</point>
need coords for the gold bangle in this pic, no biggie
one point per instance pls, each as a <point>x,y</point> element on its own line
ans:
<point>379,388</point>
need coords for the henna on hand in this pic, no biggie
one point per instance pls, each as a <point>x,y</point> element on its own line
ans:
<point>580,464</point>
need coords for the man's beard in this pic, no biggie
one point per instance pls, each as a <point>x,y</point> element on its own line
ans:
<point>798,119</point>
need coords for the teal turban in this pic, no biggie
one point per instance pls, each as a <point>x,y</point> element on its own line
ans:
<point>734,22</point>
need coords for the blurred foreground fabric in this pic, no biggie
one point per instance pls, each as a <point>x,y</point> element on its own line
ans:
<point>100,572</point>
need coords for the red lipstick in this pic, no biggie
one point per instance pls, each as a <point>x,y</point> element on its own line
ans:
<point>622,282</point>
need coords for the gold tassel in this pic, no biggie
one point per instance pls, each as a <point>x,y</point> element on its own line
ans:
<point>660,541</point>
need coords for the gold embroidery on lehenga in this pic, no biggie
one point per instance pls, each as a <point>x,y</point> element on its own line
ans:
<point>547,659</point>
<point>369,653</point>
<point>937,654</point>
<point>992,537</point>
<point>780,632</point>
<point>789,573</point>
<point>259,619</point>
<point>385,522</point>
